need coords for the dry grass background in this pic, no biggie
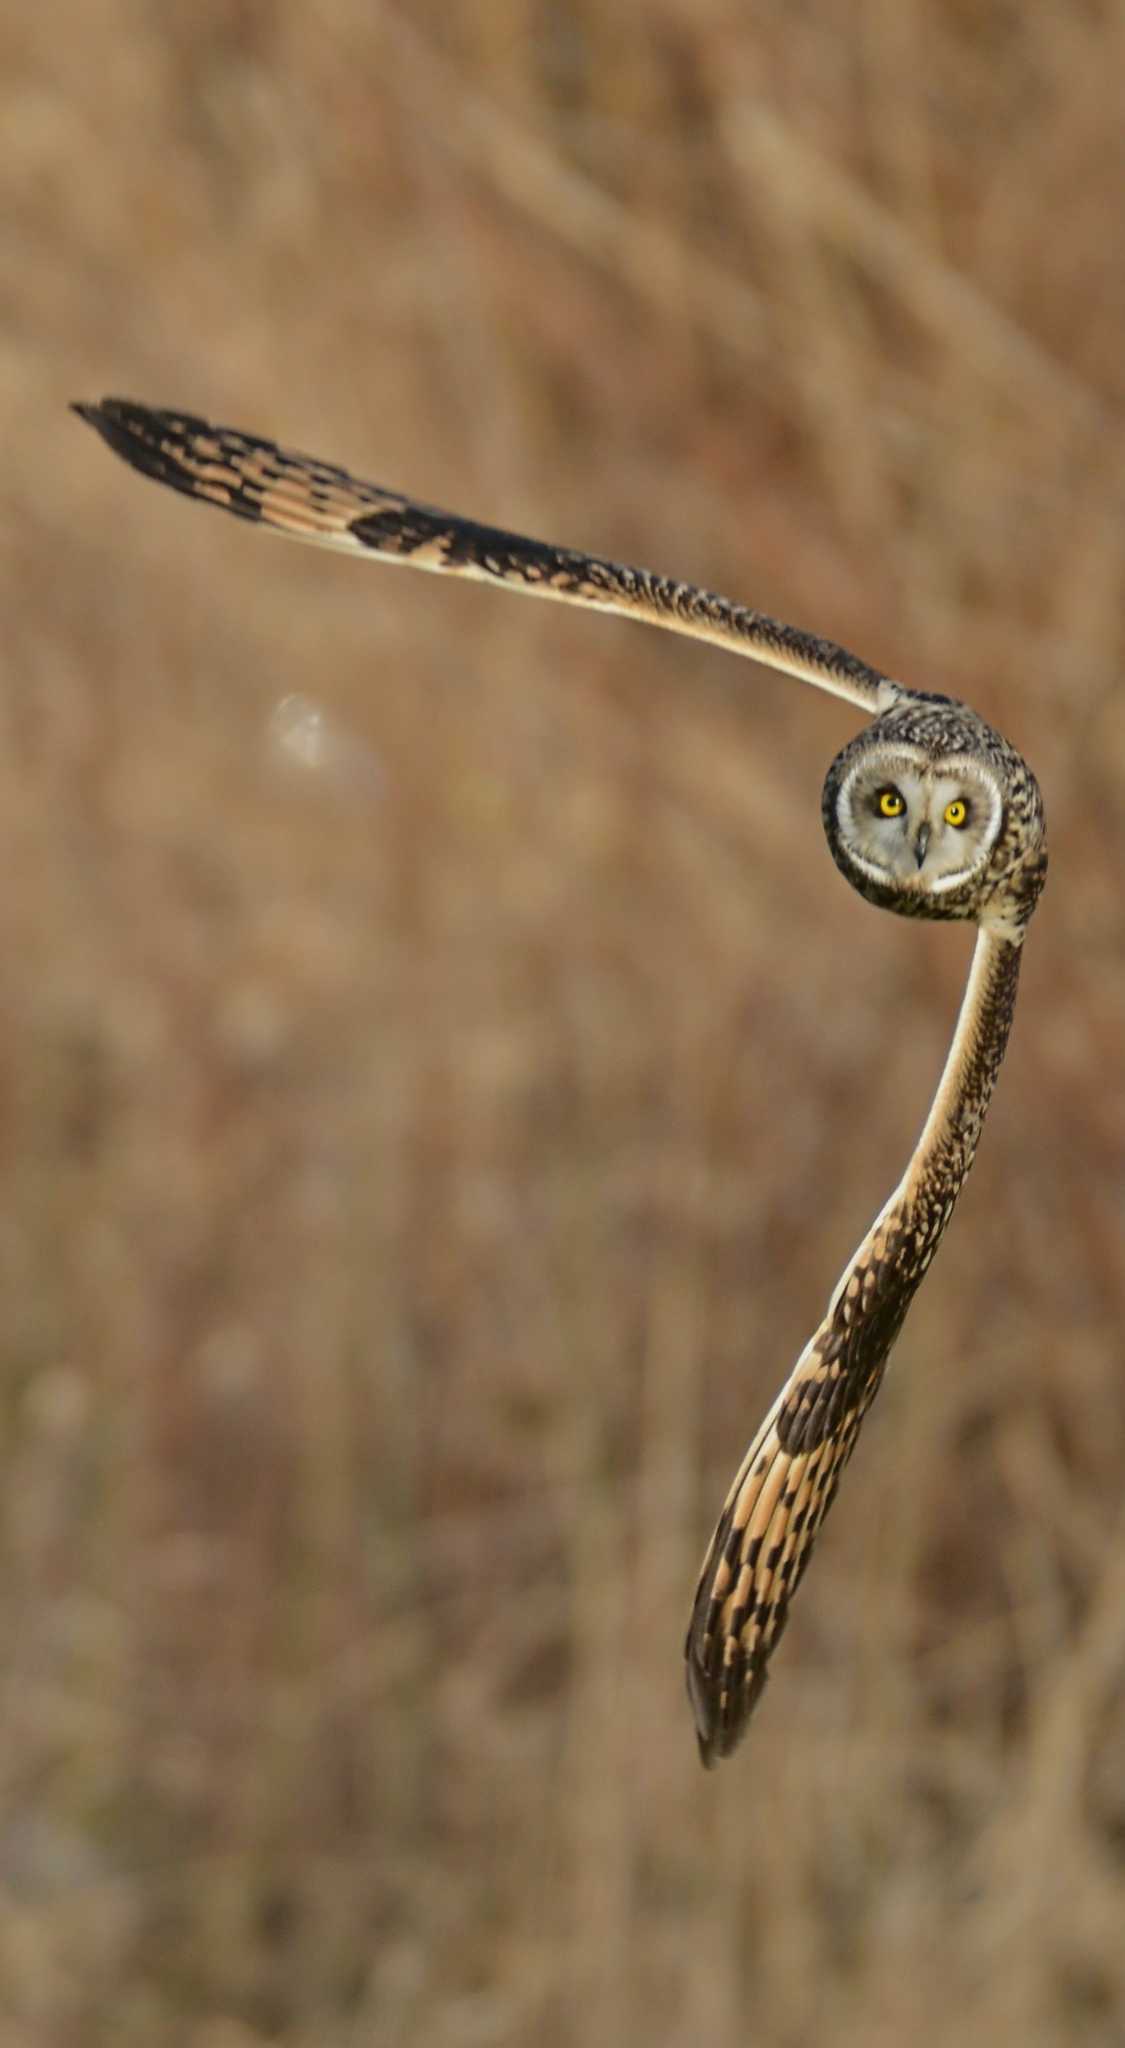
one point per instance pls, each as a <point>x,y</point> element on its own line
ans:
<point>418,1175</point>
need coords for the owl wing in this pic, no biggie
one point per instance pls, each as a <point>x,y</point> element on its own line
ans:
<point>753,1566</point>
<point>316,501</point>
<point>787,1480</point>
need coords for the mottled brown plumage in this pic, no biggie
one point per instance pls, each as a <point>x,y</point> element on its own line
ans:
<point>915,743</point>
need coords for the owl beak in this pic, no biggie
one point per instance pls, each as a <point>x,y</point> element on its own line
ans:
<point>921,842</point>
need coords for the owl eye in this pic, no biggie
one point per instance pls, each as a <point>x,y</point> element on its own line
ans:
<point>957,813</point>
<point>891,803</point>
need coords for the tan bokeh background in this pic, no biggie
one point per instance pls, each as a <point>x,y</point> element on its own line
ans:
<point>420,1169</point>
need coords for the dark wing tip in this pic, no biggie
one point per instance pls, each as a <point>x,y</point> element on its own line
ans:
<point>702,1706</point>
<point>115,418</point>
<point>720,1724</point>
<point>130,412</point>
<point>723,1700</point>
<point>147,438</point>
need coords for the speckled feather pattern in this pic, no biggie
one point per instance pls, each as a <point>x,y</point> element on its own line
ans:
<point>314,501</point>
<point>789,1475</point>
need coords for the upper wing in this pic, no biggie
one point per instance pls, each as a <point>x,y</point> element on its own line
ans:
<point>315,501</point>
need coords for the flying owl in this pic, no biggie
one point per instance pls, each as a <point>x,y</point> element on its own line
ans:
<point>928,812</point>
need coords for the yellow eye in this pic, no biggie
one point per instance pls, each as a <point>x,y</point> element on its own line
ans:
<point>891,804</point>
<point>957,813</point>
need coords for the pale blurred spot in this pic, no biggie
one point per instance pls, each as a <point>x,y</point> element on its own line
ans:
<point>230,1361</point>
<point>320,1197</point>
<point>40,1858</point>
<point>57,1401</point>
<point>252,1025</point>
<point>188,1561</point>
<point>305,740</point>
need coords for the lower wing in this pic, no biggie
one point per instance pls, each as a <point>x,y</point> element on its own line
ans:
<point>769,1524</point>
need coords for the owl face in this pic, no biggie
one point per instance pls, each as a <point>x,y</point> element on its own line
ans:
<point>915,825</point>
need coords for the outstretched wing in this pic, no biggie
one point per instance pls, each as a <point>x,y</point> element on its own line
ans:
<point>764,1539</point>
<point>315,501</point>
<point>787,1481</point>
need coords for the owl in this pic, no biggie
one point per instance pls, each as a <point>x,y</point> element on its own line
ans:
<point>928,812</point>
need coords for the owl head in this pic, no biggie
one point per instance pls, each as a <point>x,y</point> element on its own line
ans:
<point>931,813</point>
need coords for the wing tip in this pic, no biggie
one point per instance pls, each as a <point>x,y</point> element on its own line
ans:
<point>722,1710</point>
<point>148,439</point>
<point>109,414</point>
<point>126,427</point>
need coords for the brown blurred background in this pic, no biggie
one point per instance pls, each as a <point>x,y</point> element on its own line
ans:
<point>422,1163</point>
